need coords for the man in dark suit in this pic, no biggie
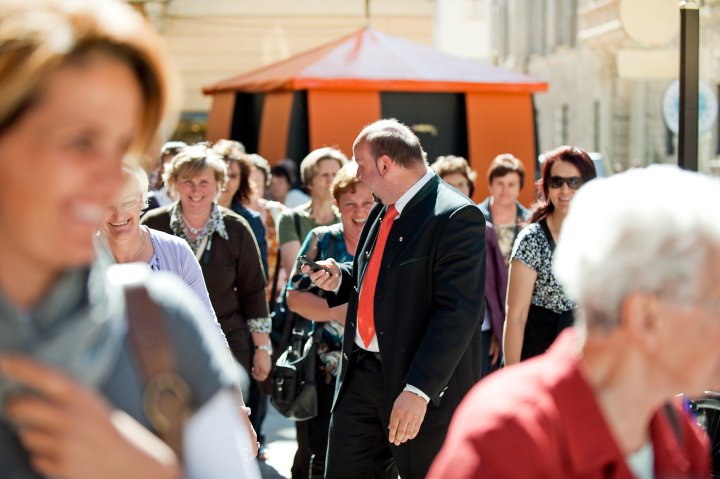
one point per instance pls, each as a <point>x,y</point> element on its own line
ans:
<point>415,305</point>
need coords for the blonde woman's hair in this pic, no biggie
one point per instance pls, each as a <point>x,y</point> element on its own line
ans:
<point>191,161</point>
<point>309,164</point>
<point>39,37</point>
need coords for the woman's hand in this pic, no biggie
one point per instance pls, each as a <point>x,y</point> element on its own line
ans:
<point>261,364</point>
<point>245,416</point>
<point>70,431</point>
<point>494,350</point>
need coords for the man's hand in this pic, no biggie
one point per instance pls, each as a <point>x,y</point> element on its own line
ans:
<point>261,365</point>
<point>322,279</point>
<point>406,417</point>
<point>494,350</point>
<point>70,431</point>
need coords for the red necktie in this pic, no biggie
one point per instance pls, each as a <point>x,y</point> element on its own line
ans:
<point>366,321</point>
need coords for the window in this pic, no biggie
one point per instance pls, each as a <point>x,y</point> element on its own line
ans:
<point>717,122</point>
<point>596,125</point>
<point>669,142</point>
<point>191,127</point>
<point>566,30</point>
<point>502,31</point>
<point>536,26</point>
<point>562,125</point>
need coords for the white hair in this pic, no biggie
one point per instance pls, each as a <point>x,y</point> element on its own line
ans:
<point>134,173</point>
<point>645,230</point>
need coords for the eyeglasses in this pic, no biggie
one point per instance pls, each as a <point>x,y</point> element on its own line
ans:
<point>574,182</point>
<point>126,205</point>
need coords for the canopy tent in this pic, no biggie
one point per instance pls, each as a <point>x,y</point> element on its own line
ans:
<point>324,97</point>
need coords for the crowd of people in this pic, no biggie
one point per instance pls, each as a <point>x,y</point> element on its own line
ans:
<point>453,339</point>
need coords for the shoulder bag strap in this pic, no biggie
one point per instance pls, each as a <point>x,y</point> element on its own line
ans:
<point>166,398</point>
<point>296,222</point>
<point>273,290</point>
<point>548,235</point>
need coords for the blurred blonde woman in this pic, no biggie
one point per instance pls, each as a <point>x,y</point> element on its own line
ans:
<point>83,84</point>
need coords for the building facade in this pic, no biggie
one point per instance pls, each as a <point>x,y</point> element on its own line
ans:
<point>606,88</point>
<point>213,40</point>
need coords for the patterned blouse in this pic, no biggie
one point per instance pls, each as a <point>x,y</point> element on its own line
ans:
<point>532,249</point>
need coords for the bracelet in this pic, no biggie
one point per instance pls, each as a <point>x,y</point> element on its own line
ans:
<point>265,347</point>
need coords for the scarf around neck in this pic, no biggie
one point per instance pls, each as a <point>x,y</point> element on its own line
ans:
<point>214,224</point>
<point>77,327</point>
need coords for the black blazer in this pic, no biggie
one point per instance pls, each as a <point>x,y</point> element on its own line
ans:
<point>429,298</point>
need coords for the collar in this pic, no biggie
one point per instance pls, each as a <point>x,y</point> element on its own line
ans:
<point>402,202</point>
<point>591,445</point>
<point>215,223</point>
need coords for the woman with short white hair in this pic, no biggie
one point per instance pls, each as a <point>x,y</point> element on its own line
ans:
<point>639,253</point>
<point>130,242</point>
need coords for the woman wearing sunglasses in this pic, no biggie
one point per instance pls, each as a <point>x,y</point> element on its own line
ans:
<point>537,307</point>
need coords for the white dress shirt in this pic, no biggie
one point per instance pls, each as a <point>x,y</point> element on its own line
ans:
<point>400,204</point>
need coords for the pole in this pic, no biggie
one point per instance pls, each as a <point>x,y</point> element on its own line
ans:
<point>689,79</point>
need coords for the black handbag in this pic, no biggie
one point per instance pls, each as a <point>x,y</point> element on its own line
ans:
<point>294,394</point>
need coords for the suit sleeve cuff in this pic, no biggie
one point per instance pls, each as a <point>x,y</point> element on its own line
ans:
<point>416,391</point>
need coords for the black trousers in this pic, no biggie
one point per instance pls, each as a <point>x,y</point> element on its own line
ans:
<point>312,436</point>
<point>257,401</point>
<point>358,445</point>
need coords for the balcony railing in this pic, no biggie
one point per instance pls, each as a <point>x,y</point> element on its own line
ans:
<point>597,19</point>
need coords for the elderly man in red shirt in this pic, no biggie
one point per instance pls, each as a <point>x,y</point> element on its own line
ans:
<point>643,265</point>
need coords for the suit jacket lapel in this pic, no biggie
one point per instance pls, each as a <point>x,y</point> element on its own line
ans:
<point>405,225</point>
<point>374,218</point>
<point>409,222</point>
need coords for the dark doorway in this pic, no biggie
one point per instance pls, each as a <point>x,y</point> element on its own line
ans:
<point>438,119</point>
<point>246,119</point>
<point>298,145</point>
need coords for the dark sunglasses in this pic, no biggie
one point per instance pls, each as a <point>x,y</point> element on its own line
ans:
<point>574,182</point>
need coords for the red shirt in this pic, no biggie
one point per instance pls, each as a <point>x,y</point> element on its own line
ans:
<point>540,419</point>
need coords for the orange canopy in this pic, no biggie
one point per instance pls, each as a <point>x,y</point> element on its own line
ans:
<point>344,86</point>
<point>372,60</point>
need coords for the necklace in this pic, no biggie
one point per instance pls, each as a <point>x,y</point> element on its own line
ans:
<point>139,250</point>
<point>193,231</point>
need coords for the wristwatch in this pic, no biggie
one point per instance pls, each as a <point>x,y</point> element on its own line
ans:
<point>265,347</point>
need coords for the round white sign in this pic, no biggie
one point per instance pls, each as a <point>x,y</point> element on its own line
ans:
<point>707,107</point>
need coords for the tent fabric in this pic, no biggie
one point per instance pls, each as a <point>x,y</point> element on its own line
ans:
<point>372,60</point>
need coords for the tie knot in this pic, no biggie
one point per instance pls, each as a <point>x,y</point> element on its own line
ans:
<point>391,213</point>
